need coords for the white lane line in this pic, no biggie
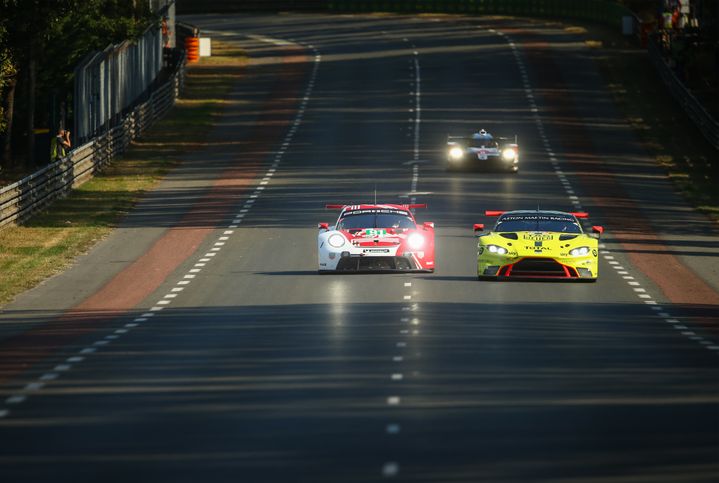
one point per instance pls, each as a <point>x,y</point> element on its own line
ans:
<point>15,399</point>
<point>393,400</point>
<point>646,298</point>
<point>393,428</point>
<point>397,377</point>
<point>207,256</point>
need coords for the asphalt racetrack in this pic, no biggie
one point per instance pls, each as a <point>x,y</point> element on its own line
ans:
<point>199,344</point>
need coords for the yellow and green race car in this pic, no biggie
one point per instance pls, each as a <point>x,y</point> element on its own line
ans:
<point>537,244</point>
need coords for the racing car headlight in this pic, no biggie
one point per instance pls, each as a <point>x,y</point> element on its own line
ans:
<point>509,154</point>
<point>496,249</point>
<point>579,252</point>
<point>415,241</point>
<point>336,240</point>
<point>456,153</point>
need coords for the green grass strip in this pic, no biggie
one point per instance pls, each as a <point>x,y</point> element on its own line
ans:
<point>49,242</point>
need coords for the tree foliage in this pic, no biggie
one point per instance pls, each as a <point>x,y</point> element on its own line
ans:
<point>54,36</point>
<point>7,72</point>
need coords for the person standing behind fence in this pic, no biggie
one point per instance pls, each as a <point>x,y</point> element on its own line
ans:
<point>60,144</point>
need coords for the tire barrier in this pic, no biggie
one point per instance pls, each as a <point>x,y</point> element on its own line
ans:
<point>192,49</point>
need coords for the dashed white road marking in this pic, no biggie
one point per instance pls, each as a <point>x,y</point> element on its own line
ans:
<point>574,199</point>
<point>217,246</point>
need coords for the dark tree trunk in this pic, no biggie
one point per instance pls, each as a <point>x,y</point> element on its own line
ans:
<point>31,84</point>
<point>8,109</point>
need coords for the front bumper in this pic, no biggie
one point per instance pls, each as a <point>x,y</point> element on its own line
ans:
<point>376,264</point>
<point>492,162</point>
<point>378,259</point>
<point>576,268</point>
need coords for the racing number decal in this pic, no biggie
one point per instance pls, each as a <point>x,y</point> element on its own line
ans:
<point>375,232</point>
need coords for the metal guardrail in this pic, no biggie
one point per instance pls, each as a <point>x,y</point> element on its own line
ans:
<point>21,199</point>
<point>694,109</point>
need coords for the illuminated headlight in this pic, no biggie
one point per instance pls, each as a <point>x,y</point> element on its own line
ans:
<point>456,153</point>
<point>336,240</point>
<point>579,252</point>
<point>415,241</point>
<point>509,154</point>
<point>496,249</point>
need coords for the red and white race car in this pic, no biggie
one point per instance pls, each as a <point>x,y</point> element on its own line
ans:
<point>370,238</point>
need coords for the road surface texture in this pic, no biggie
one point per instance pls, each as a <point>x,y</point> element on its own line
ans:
<point>199,344</point>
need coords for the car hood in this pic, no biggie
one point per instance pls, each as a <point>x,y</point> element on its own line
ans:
<point>376,236</point>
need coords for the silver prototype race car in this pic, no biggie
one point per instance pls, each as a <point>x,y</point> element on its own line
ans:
<point>481,150</point>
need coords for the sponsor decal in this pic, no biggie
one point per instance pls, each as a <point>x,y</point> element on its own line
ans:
<point>371,232</point>
<point>538,237</point>
<point>594,252</point>
<point>537,217</point>
<point>375,211</point>
<point>376,250</point>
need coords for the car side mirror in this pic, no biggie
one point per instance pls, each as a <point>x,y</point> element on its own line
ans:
<point>478,227</point>
<point>323,226</point>
<point>428,225</point>
<point>598,229</point>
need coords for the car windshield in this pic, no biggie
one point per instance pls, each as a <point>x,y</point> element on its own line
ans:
<point>376,219</point>
<point>486,143</point>
<point>538,222</point>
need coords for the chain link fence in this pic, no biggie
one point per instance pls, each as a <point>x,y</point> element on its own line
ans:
<point>119,93</point>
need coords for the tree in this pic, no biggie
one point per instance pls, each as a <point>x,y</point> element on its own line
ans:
<point>42,41</point>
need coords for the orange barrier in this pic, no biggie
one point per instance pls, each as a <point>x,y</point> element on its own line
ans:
<point>192,47</point>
